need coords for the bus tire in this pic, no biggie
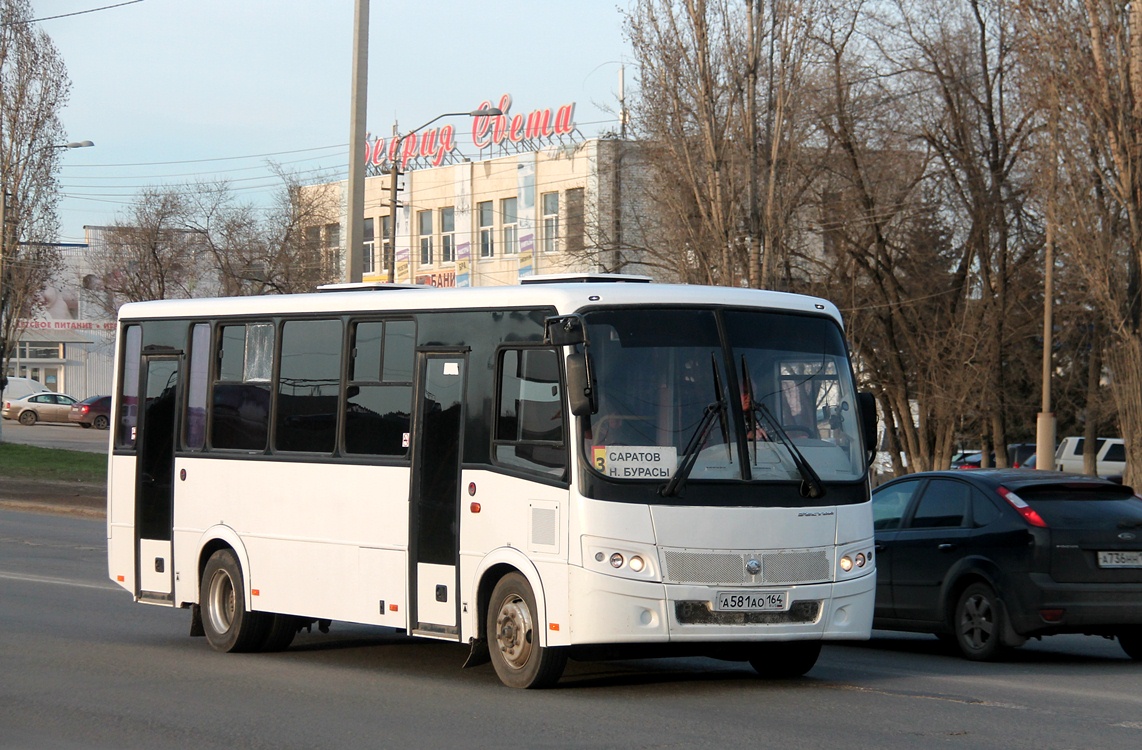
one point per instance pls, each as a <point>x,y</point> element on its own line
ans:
<point>513,637</point>
<point>785,660</point>
<point>228,625</point>
<point>280,632</point>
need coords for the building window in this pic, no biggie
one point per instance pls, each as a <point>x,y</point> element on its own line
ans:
<point>448,235</point>
<point>550,221</point>
<point>487,220</point>
<point>331,257</point>
<point>511,225</point>
<point>368,247</point>
<point>574,222</point>
<point>37,350</point>
<point>424,227</point>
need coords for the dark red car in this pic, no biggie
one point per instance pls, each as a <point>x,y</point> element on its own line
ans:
<point>92,412</point>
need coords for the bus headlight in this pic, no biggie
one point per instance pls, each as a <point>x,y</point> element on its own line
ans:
<point>624,559</point>
<point>854,561</point>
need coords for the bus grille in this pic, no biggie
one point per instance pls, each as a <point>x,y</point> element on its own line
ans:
<point>699,613</point>
<point>729,568</point>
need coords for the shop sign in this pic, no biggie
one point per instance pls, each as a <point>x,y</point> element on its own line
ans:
<point>438,278</point>
<point>433,144</point>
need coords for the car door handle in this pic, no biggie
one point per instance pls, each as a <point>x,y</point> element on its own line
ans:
<point>945,547</point>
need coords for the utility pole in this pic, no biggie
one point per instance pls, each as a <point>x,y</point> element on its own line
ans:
<point>356,207</point>
<point>394,177</point>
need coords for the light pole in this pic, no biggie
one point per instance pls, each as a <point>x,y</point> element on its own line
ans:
<point>394,173</point>
<point>4,241</point>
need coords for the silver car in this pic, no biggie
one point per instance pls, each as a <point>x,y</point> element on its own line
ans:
<point>39,407</point>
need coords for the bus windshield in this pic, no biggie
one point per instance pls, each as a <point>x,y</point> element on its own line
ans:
<point>750,395</point>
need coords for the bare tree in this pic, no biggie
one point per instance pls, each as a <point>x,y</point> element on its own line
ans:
<point>199,240</point>
<point>1088,54</point>
<point>34,88</point>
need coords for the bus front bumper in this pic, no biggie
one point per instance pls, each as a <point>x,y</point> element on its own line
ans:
<point>608,609</point>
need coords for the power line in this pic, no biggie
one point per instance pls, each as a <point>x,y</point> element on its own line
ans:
<point>68,15</point>
<point>200,161</point>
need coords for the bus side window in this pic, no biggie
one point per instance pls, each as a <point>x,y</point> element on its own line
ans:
<point>529,426</point>
<point>379,389</point>
<point>127,418</point>
<point>240,411</point>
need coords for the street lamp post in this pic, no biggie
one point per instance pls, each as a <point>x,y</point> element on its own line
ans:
<point>394,173</point>
<point>3,247</point>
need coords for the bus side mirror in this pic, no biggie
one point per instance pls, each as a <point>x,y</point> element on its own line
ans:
<point>866,402</point>
<point>580,394</point>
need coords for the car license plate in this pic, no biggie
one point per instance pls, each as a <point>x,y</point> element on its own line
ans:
<point>1120,559</point>
<point>750,601</point>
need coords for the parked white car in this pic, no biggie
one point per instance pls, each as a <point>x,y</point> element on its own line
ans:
<point>1110,461</point>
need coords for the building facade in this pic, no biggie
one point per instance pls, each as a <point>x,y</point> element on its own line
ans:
<point>494,221</point>
<point>69,344</point>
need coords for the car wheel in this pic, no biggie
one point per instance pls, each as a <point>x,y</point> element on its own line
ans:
<point>979,623</point>
<point>101,422</point>
<point>780,661</point>
<point>228,625</point>
<point>27,417</point>
<point>513,637</point>
<point>1131,642</point>
<point>85,425</point>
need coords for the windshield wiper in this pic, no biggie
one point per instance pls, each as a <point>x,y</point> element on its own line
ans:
<point>715,410</point>
<point>811,485</point>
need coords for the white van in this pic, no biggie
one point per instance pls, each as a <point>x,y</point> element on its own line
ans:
<point>20,387</point>
<point>1110,456</point>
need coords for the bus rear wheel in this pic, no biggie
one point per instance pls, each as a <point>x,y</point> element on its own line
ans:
<point>786,660</point>
<point>513,638</point>
<point>228,625</point>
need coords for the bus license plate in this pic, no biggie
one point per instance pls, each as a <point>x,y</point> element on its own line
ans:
<point>750,601</point>
<point>1120,559</point>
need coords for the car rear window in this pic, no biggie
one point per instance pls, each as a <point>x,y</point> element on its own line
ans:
<point>1084,507</point>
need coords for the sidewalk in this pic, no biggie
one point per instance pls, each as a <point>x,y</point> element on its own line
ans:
<point>73,498</point>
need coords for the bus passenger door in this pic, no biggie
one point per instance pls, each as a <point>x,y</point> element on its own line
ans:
<point>435,497</point>
<point>154,479</point>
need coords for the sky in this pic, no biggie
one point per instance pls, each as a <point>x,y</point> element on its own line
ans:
<point>180,91</point>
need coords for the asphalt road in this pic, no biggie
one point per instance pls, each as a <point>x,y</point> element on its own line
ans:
<point>84,667</point>
<point>55,435</point>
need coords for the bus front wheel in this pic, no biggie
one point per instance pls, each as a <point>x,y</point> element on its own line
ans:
<point>229,626</point>
<point>513,637</point>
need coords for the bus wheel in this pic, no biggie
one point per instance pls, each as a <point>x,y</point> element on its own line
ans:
<point>513,638</point>
<point>228,624</point>
<point>780,661</point>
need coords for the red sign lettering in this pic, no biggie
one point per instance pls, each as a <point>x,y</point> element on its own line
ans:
<point>433,144</point>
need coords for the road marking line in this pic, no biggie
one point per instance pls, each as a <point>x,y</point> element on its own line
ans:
<point>57,581</point>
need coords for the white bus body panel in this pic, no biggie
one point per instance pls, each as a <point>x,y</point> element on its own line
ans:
<point>121,521</point>
<point>333,544</point>
<point>523,524</point>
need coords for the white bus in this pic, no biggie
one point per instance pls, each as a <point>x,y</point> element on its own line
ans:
<point>566,468</point>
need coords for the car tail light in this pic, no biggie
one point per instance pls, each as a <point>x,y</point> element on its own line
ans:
<point>85,408</point>
<point>1025,510</point>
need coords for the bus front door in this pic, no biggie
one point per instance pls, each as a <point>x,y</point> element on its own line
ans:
<point>154,509</point>
<point>434,510</point>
